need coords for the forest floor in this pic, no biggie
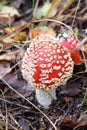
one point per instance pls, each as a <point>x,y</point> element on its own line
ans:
<point>19,109</point>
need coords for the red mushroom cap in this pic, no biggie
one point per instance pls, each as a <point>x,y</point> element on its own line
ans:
<point>76,56</point>
<point>46,63</point>
<point>70,42</point>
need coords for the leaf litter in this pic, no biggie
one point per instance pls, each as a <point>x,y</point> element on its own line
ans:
<point>69,111</point>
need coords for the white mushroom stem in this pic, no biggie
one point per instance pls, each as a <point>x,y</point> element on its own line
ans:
<point>45,97</point>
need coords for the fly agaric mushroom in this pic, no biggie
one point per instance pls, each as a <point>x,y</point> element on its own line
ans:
<point>45,66</point>
<point>70,43</point>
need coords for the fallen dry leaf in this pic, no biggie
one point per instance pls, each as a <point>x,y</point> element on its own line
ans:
<point>20,36</point>
<point>15,55</point>
<point>84,52</point>
<point>4,68</point>
<point>1,47</point>
<point>17,37</point>
<point>68,99</point>
<point>17,82</point>
<point>41,30</point>
<point>7,11</point>
<point>71,90</point>
<point>84,48</point>
<point>69,121</point>
<point>8,40</point>
<point>8,21</point>
<point>23,124</point>
<point>16,26</point>
<point>7,46</point>
<point>7,14</point>
<point>82,121</point>
<point>85,16</point>
<point>42,11</point>
<point>72,122</point>
<point>17,3</point>
<point>9,30</point>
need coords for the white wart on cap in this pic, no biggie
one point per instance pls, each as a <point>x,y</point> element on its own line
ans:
<point>46,63</point>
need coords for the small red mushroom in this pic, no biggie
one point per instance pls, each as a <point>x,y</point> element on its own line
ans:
<point>46,65</point>
<point>70,43</point>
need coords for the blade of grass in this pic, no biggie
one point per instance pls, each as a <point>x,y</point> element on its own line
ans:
<point>75,13</point>
<point>53,6</point>
<point>33,1</point>
<point>55,21</point>
<point>35,9</point>
<point>66,6</point>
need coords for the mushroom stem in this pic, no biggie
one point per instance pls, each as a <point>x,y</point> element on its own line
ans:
<point>45,97</point>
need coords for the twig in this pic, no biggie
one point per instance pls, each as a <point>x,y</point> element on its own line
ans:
<point>16,31</point>
<point>6,122</point>
<point>79,47</point>
<point>9,70</point>
<point>82,43</point>
<point>55,3</point>
<point>82,101</point>
<point>14,120</point>
<point>56,21</point>
<point>19,105</point>
<point>81,124</point>
<point>35,9</point>
<point>12,127</point>
<point>61,118</point>
<point>75,13</point>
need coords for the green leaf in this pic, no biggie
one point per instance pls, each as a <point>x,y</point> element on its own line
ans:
<point>42,27</point>
<point>1,6</point>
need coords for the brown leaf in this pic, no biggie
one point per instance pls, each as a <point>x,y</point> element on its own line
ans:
<point>17,37</point>
<point>85,16</point>
<point>4,67</point>
<point>84,48</point>
<point>8,40</point>
<point>19,84</point>
<point>42,11</point>
<point>7,11</point>
<point>68,99</point>
<point>20,36</point>
<point>18,54</point>
<point>71,90</point>
<point>17,3</point>
<point>1,47</point>
<point>41,30</point>
<point>82,121</point>
<point>69,121</point>
<point>7,46</point>
<point>23,124</point>
<point>72,122</point>
<point>17,25</point>
<point>8,21</point>
<point>7,14</point>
